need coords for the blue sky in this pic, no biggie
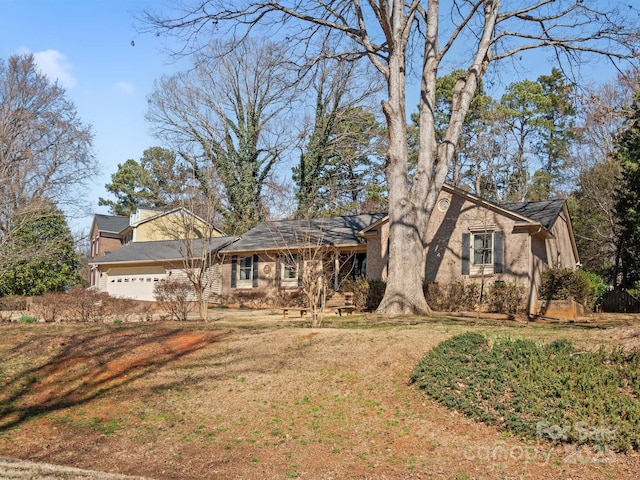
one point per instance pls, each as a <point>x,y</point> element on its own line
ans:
<point>86,45</point>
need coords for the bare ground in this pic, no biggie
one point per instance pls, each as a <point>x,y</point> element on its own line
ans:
<point>250,395</point>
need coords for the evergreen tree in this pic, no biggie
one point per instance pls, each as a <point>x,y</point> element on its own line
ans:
<point>556,135</point>
<point>628,198</point>
<point>54,263</point>
<point>592,210</point>
<point>157,181</point>
<point>337,171</point>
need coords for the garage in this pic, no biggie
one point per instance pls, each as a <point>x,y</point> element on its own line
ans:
<point>135,283</point>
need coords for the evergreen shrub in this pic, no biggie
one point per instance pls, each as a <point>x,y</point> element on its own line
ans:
<point>538,391</point>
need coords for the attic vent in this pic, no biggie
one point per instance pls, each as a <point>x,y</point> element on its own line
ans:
<point>443,204</point>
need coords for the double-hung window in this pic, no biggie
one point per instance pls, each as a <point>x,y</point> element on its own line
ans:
<point>290,269</point>
<point>244,271</point>
<point>482,251</point>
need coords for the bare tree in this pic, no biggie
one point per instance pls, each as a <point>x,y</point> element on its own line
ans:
<point>225,114</point>
<point>310,256</point>
<point>45,150</point>
<point>396,35</point>
<point>602,110</point>
<point>198,243</point>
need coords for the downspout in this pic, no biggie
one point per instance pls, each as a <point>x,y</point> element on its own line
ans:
<point>531,282</point>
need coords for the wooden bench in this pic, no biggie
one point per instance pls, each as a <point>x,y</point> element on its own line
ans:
<point>348,309</point>
<point>285,311</point>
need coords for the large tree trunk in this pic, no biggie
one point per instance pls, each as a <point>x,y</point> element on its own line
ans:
<point>404,293</point>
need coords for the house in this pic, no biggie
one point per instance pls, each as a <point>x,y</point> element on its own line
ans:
<point>130,254</point>
<point>475,240</point>
<point>469,238</point>
<point>134,270</point>
<point>272,255</point>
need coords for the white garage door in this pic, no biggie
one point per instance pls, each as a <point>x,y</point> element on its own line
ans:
<point>137,285</point>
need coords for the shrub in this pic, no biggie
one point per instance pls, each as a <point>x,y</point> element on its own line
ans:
<point>453,297</point>
<point>50,306</point>
<point>360,289</point>
<point>502,297</point>
<point>85,305</point>
<point>173,295</point>
<point>12,303</point>
<point>545,392</point>
<point>27,319</point>
<point>564,283</point>
<point>279,298</point>
<point>257,298</point>
<point>375,294</point>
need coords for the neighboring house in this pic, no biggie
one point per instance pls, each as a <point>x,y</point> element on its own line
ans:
<point>147,232</point>
<point>106,237</point>
<point>134,270</point>
<point>468,238</point>
<point>475,240</point>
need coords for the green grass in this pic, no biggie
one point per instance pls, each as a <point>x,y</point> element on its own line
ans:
<point>545,391</point>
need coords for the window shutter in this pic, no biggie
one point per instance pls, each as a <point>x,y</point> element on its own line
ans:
<point>300,267</point>
<point>234,271</point>
<point>466,253</point>
<point>278,270</point>
<point>255,271</point>
<point>498,252</point>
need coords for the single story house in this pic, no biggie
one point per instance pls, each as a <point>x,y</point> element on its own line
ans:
<point>476,240</point>
<point>271,256</point>
<point>468,238</point>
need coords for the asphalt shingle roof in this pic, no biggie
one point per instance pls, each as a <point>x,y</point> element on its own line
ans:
<point>159,250</point>
<point>336,231</point>
<point>545,212</point>
<point>111,223</point>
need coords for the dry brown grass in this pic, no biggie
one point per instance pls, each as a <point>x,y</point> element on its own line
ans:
<point>250,395</point>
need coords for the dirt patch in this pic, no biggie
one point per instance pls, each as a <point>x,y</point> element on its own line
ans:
<point>250,395</point>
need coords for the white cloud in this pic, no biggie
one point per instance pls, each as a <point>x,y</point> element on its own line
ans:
<point>55,66</point>
<point>125,87</point>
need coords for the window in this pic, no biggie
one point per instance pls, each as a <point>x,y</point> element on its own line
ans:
<point>359,266</point>
<point>290,268</point>
<point>482,252</point>
<point>245,269</point>
<point>483,248</point>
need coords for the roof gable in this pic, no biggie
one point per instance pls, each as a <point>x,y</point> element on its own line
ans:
<point>542,213</point>
<point>175,211</point>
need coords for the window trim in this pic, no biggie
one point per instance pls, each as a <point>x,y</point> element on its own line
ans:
<point>483,267</point>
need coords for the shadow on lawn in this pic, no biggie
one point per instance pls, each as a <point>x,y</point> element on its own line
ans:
<point>84,366</point>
